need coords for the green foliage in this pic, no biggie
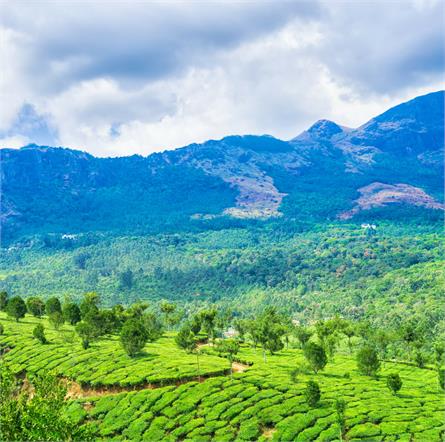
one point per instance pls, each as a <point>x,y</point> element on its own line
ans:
<point>35,306</point>
<point>86,332</point>
<point>185,339</point>
<point>3,300</point>
<point>133,336</point>
<point>37,416</point>
<point>367,361</point>
<point>340,408</point>
<point>39,333</point>
<point>303,335</point>
<point>394,382</point>
<point>16,308</point>
<point>53,306</point>
<point>315,356</point>
<point>153,326</point>
<point>2,329</point>
<point>441,378</point>
<point>71,312</point>
<point>312,393</point>
<point>56,319</point>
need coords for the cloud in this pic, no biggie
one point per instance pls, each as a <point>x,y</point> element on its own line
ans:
<point>117,78</point>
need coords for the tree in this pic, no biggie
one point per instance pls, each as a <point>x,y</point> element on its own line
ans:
<point>35,306</point>
<point>228,348</point>
<point>80,260</point>
<point>89,304</point>
<point>270,331</point>
<point>367,361</point>
<point>126,279</point>
<point>208,322</point>
<point>441,378</point>
<point>2,329</point>
<point>303,335</point>
<point>382,339</point>
<point>312,393</point>
<point>3,300</point>
<point>86,332</point>
<point>37,413</point>
<point>71,313</point>
<point>340,408</point>
<point>316,356</point>
<point>16,308</point>
<point>153,326</point>
<point>56,320</point>
<point>394,382</point>
<point>52,306</point>
<point>39,333</point>
<point>186,340</point>
<point>419,359</point>
<point>133,336</point>
<point>349,332</point>
<point>168,310</point>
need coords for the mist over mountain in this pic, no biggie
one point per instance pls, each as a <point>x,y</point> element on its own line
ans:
<point>328,172</point>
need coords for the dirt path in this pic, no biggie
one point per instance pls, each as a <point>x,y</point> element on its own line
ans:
<point>237,367</point>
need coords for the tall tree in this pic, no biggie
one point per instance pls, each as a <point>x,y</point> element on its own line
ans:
<point>71,312</point>
<point>186,340</point>
<point>367,361</point>
<point>35,306</point>
<point>315,356</point>
<point>3,300</point>
<point>16,308</point>
<point>133,336</point>
<point>229,349</point>
<point>53,305</point>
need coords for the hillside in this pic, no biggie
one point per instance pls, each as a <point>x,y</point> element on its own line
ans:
<point>328,172</point>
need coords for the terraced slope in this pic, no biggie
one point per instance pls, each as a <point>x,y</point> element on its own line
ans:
<point>104,364</point>
<point>261,403</point>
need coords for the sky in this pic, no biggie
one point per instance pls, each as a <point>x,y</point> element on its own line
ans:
<point>119,78</point>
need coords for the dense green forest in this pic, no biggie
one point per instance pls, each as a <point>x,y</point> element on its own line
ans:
<point>311,273</point>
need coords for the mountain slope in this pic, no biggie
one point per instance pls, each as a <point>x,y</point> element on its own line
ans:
<point>327,172</point>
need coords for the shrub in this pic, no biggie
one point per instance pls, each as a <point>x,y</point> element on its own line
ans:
<point>312,393</point>
<point>367,361</point>
<point>39,333</point>
<point>394,382</point>
<point>2,329</point>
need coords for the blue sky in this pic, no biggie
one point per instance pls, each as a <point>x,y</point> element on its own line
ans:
<point>118,78</point>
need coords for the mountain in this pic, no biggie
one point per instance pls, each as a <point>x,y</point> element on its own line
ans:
<point>328,172</point>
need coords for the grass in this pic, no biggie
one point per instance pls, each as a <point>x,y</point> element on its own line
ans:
<point>262,403</point>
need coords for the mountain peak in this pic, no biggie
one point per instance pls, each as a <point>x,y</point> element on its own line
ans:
<point>324,129</point>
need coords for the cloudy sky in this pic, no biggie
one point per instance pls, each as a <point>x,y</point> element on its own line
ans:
<point>117,78</point>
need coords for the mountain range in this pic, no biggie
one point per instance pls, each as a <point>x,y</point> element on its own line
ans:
<point>393,164</point>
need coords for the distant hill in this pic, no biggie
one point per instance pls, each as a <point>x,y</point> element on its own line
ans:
<point>328,172</point>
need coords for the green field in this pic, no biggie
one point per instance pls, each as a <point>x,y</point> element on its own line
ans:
<point>260,403</point>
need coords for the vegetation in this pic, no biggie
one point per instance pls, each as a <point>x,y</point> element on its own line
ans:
<point>394,382</point>
<point>38,415</point>
<point>312,394</point>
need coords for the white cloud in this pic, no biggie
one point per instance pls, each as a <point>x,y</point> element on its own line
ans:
<point>139,78</point>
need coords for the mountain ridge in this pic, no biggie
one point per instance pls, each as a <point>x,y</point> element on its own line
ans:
<point>246,177</point>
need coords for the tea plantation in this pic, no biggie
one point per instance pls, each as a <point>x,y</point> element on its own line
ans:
<point>105,363</point>
<point>261,403</point>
